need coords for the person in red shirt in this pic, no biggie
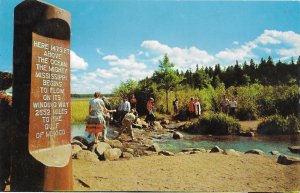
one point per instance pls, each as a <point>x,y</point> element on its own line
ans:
<point>191,108</point>
<point>150,109</point>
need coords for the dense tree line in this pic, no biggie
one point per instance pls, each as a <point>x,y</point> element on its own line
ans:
<point>266,72</point>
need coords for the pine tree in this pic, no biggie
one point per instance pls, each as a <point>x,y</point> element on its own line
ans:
<point>166,77</point>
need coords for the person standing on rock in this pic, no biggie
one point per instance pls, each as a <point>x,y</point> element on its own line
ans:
<point>127,122</point>
<point>150,109</point>
<point>96,121</point>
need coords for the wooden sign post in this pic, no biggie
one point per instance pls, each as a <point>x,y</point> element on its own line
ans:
<point>41,151</point>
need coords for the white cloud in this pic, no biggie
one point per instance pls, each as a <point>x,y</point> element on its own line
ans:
<point>244,52</point>
<point>77,62</point>
<point>285,44</point>
<point>103,73</point>
<point>183,58</point>
<point>127,63</point>
<point>288,39</point>
<point>235,43</point>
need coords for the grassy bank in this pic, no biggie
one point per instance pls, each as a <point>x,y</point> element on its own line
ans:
<point>79,110</point>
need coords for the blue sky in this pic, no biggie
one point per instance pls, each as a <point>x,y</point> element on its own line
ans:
<point>113,41</point>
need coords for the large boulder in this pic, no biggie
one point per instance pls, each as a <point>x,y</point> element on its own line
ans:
<point>87,156</point>
<point>112,154</point>
<point>216,149</point>
<point>157,126</point>
<point>155,147</point>
<point>294,149</point>
<point>101,147</point>
<point>75,149</point>
<point>255,151</point>
<point>115,143</point>
<point>285,160</point>
<point>177,135</point>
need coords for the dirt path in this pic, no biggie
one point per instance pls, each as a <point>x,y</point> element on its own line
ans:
<point>197,172</point>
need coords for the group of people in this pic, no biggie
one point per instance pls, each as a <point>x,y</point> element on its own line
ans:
<point>228,106</point>
<point>100,115</point>
<point>194,108</point>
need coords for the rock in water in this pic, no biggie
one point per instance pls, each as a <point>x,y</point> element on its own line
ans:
<point>177,135</point>
<point>275,152</point>
<point>167,153</point>
<point>101,148</point>
<point>246,134</point>
<point>285,160</point>
<point>216,149</point>
<point>294,149</point>
<point>255,151</point>
<point>157,126</point>
<point>112,154</point>
<point>155,147</point>
<point>87,156</point>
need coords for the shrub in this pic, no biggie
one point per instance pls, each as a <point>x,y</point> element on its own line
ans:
<point>293,124</point>
<point>246,113</point>
<point>288,101</point>
<point>278,125</point>
<point>216,124</point>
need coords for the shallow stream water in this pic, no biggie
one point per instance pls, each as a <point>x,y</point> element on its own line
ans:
<point>166,142</point>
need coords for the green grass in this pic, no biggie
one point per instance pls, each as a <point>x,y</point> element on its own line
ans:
<point>79,110</point>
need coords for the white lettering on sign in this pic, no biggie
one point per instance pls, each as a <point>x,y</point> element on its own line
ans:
<point>50,72</point>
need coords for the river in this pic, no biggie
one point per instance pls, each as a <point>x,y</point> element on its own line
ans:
<point>166,142</point>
